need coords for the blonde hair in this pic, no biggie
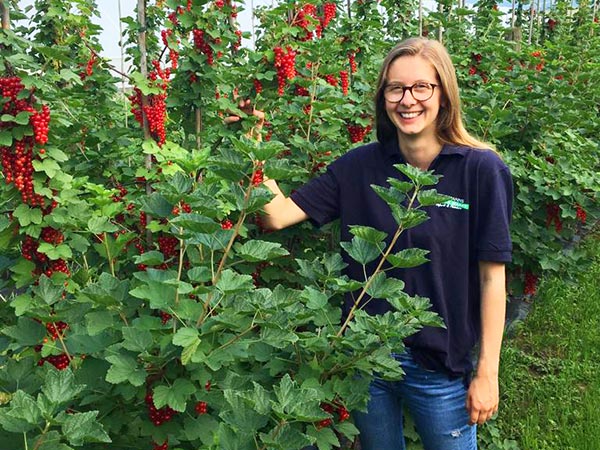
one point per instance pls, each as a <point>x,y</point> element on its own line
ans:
<point>450,126</point>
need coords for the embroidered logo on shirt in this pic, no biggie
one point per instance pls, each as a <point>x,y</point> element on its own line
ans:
<point>454,203</point>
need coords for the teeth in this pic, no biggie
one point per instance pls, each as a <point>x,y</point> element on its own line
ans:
<point>409,115</point>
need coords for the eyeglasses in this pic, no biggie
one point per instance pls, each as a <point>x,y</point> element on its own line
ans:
<point>421,91</point>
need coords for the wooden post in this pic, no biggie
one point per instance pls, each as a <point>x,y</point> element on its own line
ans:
<point>5,12</point>
<point>141,16</point>
<point>421,18</point>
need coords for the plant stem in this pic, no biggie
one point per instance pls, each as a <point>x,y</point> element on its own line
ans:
<point>111,263</point>
<point>382,260</point>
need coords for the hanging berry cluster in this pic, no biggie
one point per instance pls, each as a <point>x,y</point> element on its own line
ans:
<point>308,13</point>
<point>358,132</point>
<point>553,216</point>
<point>203,45</point>
<point>17,160</point>
<point>285,63</point>
<point>155,110</point>
<point>158,416</point>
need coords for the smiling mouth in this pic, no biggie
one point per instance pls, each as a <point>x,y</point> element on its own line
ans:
<point>410,115</point>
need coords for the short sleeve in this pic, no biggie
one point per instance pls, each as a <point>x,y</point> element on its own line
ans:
<point>494,213</point>
<point>319,198</point>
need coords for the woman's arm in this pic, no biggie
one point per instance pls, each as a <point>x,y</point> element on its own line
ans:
<point>483,395</point>
<point>281,212</point>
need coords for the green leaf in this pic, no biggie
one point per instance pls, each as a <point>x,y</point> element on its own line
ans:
<point>54,252</point>
<point>26,332</point>
<point>5,138</point>
<point>389,195</point>
<point>196,223</point>
<point>324,438</point>
<point>200,274</point>
<point>361,251</point>
<point>410,257</point>
<point>81,428</point>
<point>101,224</point>
<point>431,197</point>
<point>175,396</point>
<point>418,176</point>
<point>57,154</point>
<point>231,282</point>
<point>60,387</point>
<point>98,321</point>
<point>48,291</point>
<point>124,368</point>
<point>401,186</point>
<point>257,250</point>
<point>136,340</point>
<point>186,337</point>
<point>48,165</point>
<point>314,299</point>
<point>156,205</point>
<point>151,258</point>
<point>369,234</point>
<point>22,118</point>
<point>23,406</point>
<point>27,215</point>
<point>384,287</point>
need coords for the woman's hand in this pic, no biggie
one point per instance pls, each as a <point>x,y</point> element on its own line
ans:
<point>247,108</point>
<point>482,398</point>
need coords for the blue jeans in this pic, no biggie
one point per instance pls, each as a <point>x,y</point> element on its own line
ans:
<point>435,402</point>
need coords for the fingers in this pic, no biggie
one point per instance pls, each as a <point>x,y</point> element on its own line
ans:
<point>479,414</point>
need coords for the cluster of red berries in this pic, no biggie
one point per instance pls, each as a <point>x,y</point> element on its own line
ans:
<point>61,362</point>
<point>551,24</point>
<point>580,213</point>
<point>332,80</point>
<point>345,81</point>
<point>17,160</point>
<point>258,87</point>
<point>163,446</point>
<point>203,45</point>
<point>257,271</point>
<point>52,236</point>
<point>201,408</point>
<point>165,317</point>
<point>553,216</point>
<point>227,224</point>
<point>336,408</point>
<point>168,246</point>
<point>56,329</point>
<point>358,132</point>
<point>181,206</point>
<point>173,53</point>
<point>89,67</point>
<point>285,63</point>
<point>302,20</point>
<point>155,110</point>
<point>29,251</point>
<point>352,61</point>
<point>158,416</point>
<point>329,12</point>
<point>258,175</point>
<point>531,281</point>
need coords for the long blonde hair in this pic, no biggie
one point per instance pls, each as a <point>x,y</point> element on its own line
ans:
<point>450,126</point>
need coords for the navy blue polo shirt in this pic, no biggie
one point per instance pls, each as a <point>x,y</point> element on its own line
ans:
<point>473,227</point>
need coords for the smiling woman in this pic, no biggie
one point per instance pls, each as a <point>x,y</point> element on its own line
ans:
<point>419,122</point>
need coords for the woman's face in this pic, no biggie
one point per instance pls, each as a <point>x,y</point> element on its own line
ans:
<point>413,118</point>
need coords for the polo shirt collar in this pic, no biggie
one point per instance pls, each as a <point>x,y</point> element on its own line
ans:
<point>392,150</point>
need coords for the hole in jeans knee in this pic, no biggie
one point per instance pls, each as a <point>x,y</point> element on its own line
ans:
<point>455,433</point>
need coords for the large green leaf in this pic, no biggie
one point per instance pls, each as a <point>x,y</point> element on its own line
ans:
<point>369,234</point>
<point>410,257</point>
<point>175,396</point>
<point>361,251</point>
<point>256,250</point>
<point>124,369</point>
<point>231,282</point>
<point>59,387</point>
<point>81,428</point>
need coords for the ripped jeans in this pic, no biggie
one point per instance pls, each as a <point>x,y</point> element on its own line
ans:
<point>435,402</point>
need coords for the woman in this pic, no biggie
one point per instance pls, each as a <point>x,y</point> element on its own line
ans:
<point>419,122</point>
